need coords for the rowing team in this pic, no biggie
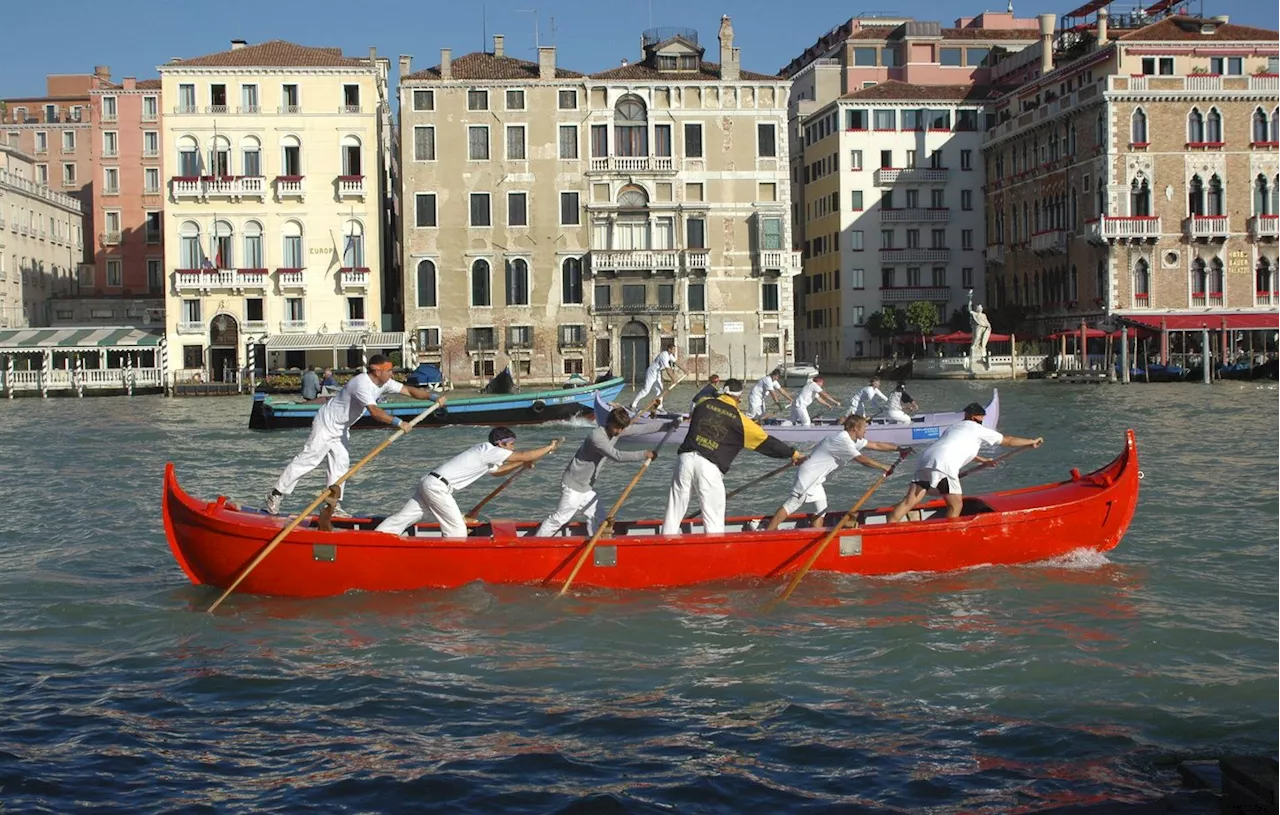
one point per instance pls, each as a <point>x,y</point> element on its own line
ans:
<point>718,432</point>
<point>897,403</point>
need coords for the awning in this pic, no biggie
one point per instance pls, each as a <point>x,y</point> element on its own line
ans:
<point>78,339</point>
<point>966,337</point>
<point>339,341</point>
<point>1088,8</point>
<point>1214,321</point>
<point>1089,334</point>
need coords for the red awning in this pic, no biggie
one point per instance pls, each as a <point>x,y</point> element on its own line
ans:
<point>1088,8</point>
<point>1090,334</point>
<point>966,337</point>
<point>1258,321</point>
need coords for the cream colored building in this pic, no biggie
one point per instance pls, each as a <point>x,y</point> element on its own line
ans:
<point>41,242</point>
<point>573,224</point>
<point>273,236</point>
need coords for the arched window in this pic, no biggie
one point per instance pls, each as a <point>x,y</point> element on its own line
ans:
<point>1138,127</point>
<point>1195,126</point>
<point>188,157</point>
<point>1074,293</point>
<point>1139,197</point>
<point>1260,126</point>
<point>222,250</point>
<point>1100,131</point>
<point>220,157</point>
<point>631,127</point>
<point>189,249</point>
<point>480,295</point>
<point>517,282</point>
<point>1141,282</point>
<point>1261,196</point>
<point>1266,278</point>
<point>1100,200</point>
<point>291,157</point>
<point>1215,203</point>
<point>1100,281</point>
<point>1217,280</point>
<point>250,157</point>
<point>353,245</point>
<point>1071,139</point>
<point>291,234</point>
<point>1074,213</point>
<point>633,198</point>
<point>351,163</point>
<point>1199,278</point>
<point>1195,196</point>
<point>1026,221</point>
<point>571,281</point>
<point>426,284</point>
<point>253,257</point>
<point>1213,127</point>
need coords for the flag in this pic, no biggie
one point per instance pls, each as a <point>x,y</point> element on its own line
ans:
<point>217,261</point>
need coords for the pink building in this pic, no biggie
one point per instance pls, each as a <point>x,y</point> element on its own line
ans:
<point>127,193</point>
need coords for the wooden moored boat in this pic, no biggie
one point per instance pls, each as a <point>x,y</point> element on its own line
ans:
<point>275,413</point>
<point>214,540</point>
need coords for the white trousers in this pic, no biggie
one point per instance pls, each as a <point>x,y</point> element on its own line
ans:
<point>652,382</point>
<point>816,495</point>
<point>800,415</point>
<point>899,416</point>
<point>434,497</point>
<point>571,503</point>
<point>695,475</point>
<point>321,446</point>
<point>755,406</point>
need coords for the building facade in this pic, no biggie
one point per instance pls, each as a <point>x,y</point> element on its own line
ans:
<point>41,242</point>
<point>1133,172</point>
<point>274,172</point>
<point>571,223</point>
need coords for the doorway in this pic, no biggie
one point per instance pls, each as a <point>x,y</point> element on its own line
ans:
<point>224,348</point>
<point>634,343</point>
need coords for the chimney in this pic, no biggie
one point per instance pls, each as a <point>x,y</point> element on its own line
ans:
<point>498,45</point>
<point>406,60</point>
<point>373,56</point>
<point>1047,22</point>
<point>1102,27</point>
<point>130,83</point>
<point>728,54</point>
<point>236,45</point>
<point>446,63</point>
<point>547,62</point>
<point>102,72</point>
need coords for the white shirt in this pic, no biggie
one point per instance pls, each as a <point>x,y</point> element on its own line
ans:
<point>865,398</point>
<point>807,394</point>
<point>661,362</point>
<point>467,467</point>
<point>338,414</point>
<point>958,446</point>
<point>834,451</point>
<point>895,400</point>
<point>763,387</point>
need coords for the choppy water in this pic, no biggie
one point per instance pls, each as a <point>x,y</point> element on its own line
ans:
<point>992,690</point>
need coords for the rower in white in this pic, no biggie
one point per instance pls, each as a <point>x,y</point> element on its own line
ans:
<point>766,386</point>
<point>864,399</point>
<point>664,361</point>
<point>900,402</point>
<point>813,390</point>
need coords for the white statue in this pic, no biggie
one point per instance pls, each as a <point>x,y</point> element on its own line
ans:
<point>981,331</point>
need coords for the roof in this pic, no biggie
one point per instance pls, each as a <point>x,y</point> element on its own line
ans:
<point>921,30</point>
<point>706,70</point>
<point>481,65</point>
<point>1212,320</point>
<point>144,85</point>
<point>894,90</point>
<point>63,339</point>
<point>274,54</point>
<point>346,339</point>
<point>1178,28</point>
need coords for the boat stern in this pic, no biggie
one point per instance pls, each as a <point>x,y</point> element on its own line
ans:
<point>257,417</point>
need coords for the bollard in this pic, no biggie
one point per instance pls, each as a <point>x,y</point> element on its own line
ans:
<point>1124,355</point>
<point>1206,356</point>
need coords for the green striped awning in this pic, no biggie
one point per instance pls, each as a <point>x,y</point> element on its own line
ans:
<point>78,339</point>
<point>338,340</point>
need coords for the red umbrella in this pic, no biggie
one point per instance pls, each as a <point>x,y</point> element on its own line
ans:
<point>964,337</point>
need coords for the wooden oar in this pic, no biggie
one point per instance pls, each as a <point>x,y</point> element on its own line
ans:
<point>608,520</point>
<point>653,406</point>
<point>993,462</point>
<point>848,517</point>
<point>471,515</point>
<point>320,499</point>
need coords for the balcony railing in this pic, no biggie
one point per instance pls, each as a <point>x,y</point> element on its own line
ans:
<point>915,255</point>
<point>357,325</point>
<point>1207,227</point>
<point>216,108</point>
<point>290,186</point>
<point>351,186</point>
<point>289,109</point>
<point>782,260</point>
<point>1121,228</point>
<point>191,327</point>
<point>995,253</point>
<point>229,187</point>
<point>910,294</point>
<point>482,344</point>
<point>572,342</point>
<point>1267,298</point>
<point>349,109</point>
<point>153,236</point>
<point>110,238</point>
<point>220,279</point>
<point>1211,299</point>
<point>632,164</point>
<point>249,109</point>
<point>699,259</point>
<point>1049,242</point>
<point>1141,301</point>
<point>181,109</point>
<point>911,175</point>
<point>291,278</point>
<point>936,215</point>
<point>293,326</point>
<point>152,152</point>
<point>636,308</point>
<point>353,277</point>
<point>1263,227</point>
<point>254,326</point>
<point>634,259</point>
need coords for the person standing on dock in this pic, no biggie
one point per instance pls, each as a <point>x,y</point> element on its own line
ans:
<point>812,390</point>
<point>940,464</point>
<point>718,431</point>
<point>899,402</point>
<point>330,429</point>
<point>864,399</point>
<point>577,488</point>
<point>769,385</point>
<point>664,361</point>
<point>709,391</point>
<point>831,453</point>
<point>310,384</point>
<point>496,457</point>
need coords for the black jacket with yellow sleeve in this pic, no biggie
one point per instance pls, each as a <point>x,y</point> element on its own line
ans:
<point>718,431</point>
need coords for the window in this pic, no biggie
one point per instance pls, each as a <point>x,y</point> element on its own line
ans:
<point>693,140</point>
<point>153,227</point>
<point>913,238</point>
<point>110,144</point>
<point>855,120</point>
<point>292,245</point>
<point>602,296</point>
<point>938,239</point>
<point>569,210</point>
<point>599,141</point>
<point>422,100</point>
<point>517,209</point>
<point>424,143</point>
<point>913,119</point>
<point>766,141</point>
<point>770,233</point>
<point>111,181</point>
<point>351,98</point>
<point>696,297</point>
<point>966,238</point>
<point>938,199</point>
<point>855,240</point>
<point>289,98</point>
<point>913,277</point>
<point>1195,126</point>
<point>1138,127</point>
<point>857,200</point>
<point>631,129</point>
<point>191,311</point>
<point>42,174</point>
<point>888,277</point>
<point>571,281</point>
<point>966,159</point>
<point>885,119</point>
<point>864,57</point>
<point>966,199</point>
<point>662,140</point>
<point>249,99</point>
<point>426,284</point>
<point>424,209</point>
<point>515,100</point>
<point>68,141</point>
<point>1260,127</point>
<point>42,142</point>
<point>109,110</point>
<point>295,310</point>
<point>515,143</point>
<point>696,233</point>
<point>478,143</point>
<point>911,159</point>
<point>1141,282</point>
<point>1213,127</point>
<point>517,282</point>
<point>291,157</point>
<point>966,277</point>
<point>155,274</point>
<point>115,276</point>
<point>1148,66</point>
<point>950,57</point>
<point>253,258</point>
<point>150,143</point>
<point>1166,66</point>
<point>428,339</point>
<point>769,297</point>
<point>480,295</point>
<point>568,142</point>
<point>567,100</point>
<point>855,159</point>
<point>480,215</point>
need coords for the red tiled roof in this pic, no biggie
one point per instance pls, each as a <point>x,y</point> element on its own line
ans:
<point>893,91</point>
<point>706,70</point>
<point>276,54</point>
<point>481,65</point>
<point>1179,28</point>
<point>148,84</point>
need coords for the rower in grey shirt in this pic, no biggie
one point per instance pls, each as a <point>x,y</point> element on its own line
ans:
<point>577,489</point>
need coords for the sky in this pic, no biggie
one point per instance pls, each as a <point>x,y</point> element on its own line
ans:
<point>132,37</point>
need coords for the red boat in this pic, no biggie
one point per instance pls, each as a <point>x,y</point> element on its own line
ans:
<point>213,541</point>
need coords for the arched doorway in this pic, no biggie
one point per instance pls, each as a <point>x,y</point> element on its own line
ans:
<point>224,348</point>
<point>635,351</point>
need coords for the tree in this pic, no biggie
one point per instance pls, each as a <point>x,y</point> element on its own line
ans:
<point>884,324</point>
<point>923,316</point>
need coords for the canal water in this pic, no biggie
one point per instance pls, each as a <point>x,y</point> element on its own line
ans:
<point>989,690</point>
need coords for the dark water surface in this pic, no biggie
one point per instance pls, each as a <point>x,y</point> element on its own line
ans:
<point>991,690</point>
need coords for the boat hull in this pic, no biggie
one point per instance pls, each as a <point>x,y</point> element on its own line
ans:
<point>214,541</point>
<point>924,428</point>
<point>273,413</point>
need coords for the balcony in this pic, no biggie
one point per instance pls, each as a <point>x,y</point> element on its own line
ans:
<point>209,280</point>
<point>153,236</point>
<point>572,343</point>
<point>995,254</point>
<point>110,238</point>
<point>202,188</point>
<point>1264,227</point>
<point>1141,301</point>
<point>1130,229</point>
<point>886,176</point>
<point>350,109</point>
<point>697,260</point>
<point>1049,242</point>
<point>621,260</point>
<point>110,152</point>
<point>481,342</point>
<point>932,215</point>
<point>291,278</point>
<point>290,186</point>
<point>191,327</point>
<point>353,277</point>
<point>1267,298</point>
<point>781,261</point>
<point>357,325</point>
<point>632,164</point>
<point>1207,227</point>
<point>151,152</point>
<point>249,109</point>
<point>288,109</point>
<point>293,326</point>
<point>1213,299</point>
<point>911,294</point>
<point>915,255</point>
<point>634,308</point>
<point>254,326</point>
<point>351,186</point>
<point>186,109</point>
<point>216,109</point>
